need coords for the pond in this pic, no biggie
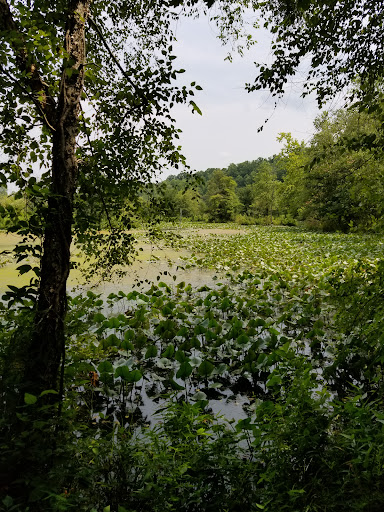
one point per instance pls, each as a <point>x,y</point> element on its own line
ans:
<point>155,265</point>
<point>177,327</point>
<point>152,264</point>
<point>194,344</point>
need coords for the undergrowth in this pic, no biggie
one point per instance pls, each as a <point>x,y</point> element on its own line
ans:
<point>289,340</point>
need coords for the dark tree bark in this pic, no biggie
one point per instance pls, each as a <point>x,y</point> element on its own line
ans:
<point>61,117</point>
<point>48,339</point>
<point>40,362</point>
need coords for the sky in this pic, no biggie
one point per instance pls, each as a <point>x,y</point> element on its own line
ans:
<point>227,131</point>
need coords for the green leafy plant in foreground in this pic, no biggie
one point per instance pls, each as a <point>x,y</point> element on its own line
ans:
<point>296,338</point>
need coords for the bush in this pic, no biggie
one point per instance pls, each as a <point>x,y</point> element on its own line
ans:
<point>244,220</point>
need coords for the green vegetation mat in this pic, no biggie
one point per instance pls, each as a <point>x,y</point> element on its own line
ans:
<point>287,346</point>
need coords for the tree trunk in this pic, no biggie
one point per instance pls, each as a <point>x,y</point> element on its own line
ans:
<point>48,338</point>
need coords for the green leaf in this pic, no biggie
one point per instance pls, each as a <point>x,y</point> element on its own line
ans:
<point>123,372</point>
<point>164,363</point>
<point>174,385</point>
<point>181,357</point>
<point>220,369</point>
<point>199,329</point>
<point>113,341</point>
<point>134,376</point>
<point>151,352</point>
<point>201,432</point>
<point>113,323</point>
<point>23,269</point>
<point>199,395</point>
<point>184,371</point>
<point>49,392</point>
<point>183,331</point>
<point>8,501</point>
<point>205,369</point>
<point>169,351</point>
<point>127,345</point>
<point>216,385</point>
<point>274,380</point>
<point>195,108</point>
<point>242,339</point>
<point>98,318</point>
<point>244,424</point>
<point>105,367</point>
<point>295,492</point>
<point>195,360</point>
<point>129,335</point>
<point>30,399</point>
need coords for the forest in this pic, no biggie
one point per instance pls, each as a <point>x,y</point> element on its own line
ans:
<point>326,185</point>
<point>211,341</point>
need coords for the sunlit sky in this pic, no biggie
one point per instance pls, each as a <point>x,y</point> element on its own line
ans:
<point>227,131</point>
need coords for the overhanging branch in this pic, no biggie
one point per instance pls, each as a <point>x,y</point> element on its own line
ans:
<point>41,96</point>
<point>115,59</point>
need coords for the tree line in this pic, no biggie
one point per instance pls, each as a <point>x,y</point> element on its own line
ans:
<point>328,183</point>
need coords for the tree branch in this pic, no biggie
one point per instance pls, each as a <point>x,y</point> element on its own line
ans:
<point>98,191</point>
<point>30,95</point>
<point>41,96</point>
<point>115,59</point>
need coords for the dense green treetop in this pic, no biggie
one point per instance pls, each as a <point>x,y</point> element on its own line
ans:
<point>343,41</point>
<point>243,173</point>
<point>345,184</point>
<point>221,197</point>
<point>292,159</point>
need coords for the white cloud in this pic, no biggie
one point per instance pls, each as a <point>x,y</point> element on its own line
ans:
<point>228,130</point>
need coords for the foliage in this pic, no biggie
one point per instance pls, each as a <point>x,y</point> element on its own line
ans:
<point>292,331</point>
<point>188,462</point>
<point>265,191</point>
<point>344,184</point>
<point>358,291</point>
<point>293,192</point>
<point>336,37</point>
<point>222,201</point>
<point>13,210</point>
<point>243,174</point>
<point>178,203</point>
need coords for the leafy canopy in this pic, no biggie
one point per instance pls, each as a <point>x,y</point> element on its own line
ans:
<point>343,42</point>
<point>127,132</point>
